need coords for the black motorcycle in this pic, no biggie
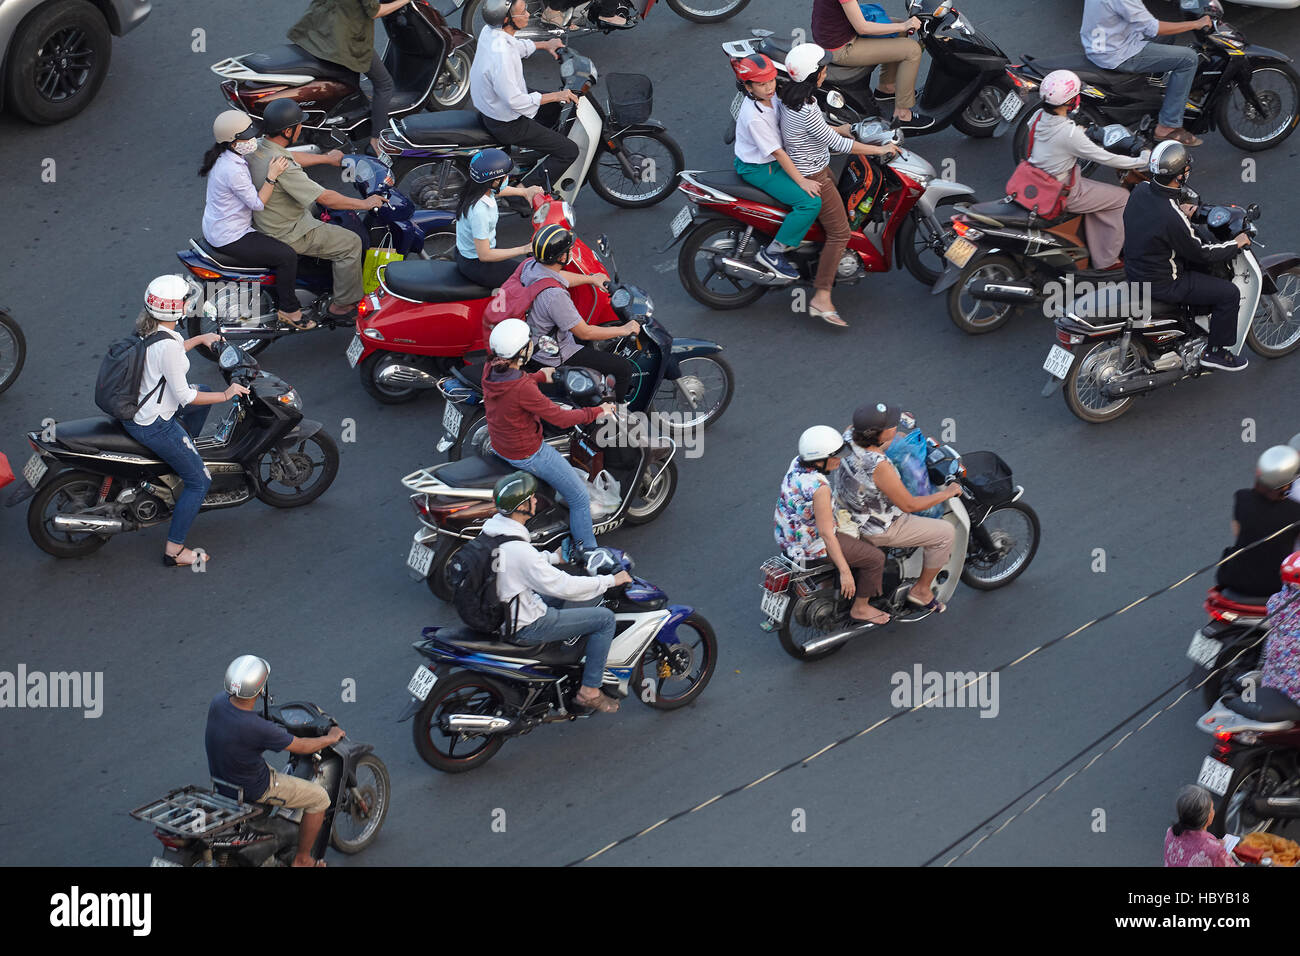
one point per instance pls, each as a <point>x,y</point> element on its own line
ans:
<point>89,479</point>
<point>13,350</point>
<point>1249,93</point>
<point>198,827</point>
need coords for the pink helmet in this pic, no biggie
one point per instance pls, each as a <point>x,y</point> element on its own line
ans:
<point>1060,87</point>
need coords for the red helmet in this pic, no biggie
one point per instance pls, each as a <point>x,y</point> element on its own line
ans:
<point>755,68</point>
<point>1291,570</point>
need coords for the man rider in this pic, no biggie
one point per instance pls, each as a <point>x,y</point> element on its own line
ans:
<point>1258,514</point>
<point>1159,242</point>
<point>235,738</point>
<point>496,85</point>
<point>527,574</point>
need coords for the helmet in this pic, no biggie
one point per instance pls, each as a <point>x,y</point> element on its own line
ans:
<point>804,61</point>
<point>1059,87</point>
<point>166,296</point>
<point>246,677</point>
<point>509,338</point>
<point>1169,160</point>
<point>280,114</point>
<point>1291,570</point>
<point>550,243</point>
<point>1278,467</point>
<point>489,164</point>
<point>819,443</point>
<point>755,68</point>
<point>512,491</point>
<point>1295,441</point>
<point>232,125</point>
<point>496,12</point>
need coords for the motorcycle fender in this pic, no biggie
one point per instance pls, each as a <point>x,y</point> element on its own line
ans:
<point>686,348</point>
<point>951,273</point>
<point>1262,54</point>
<point>956,515</point>
<point>304,429</point>
<point>409,710</point>
<point>649,126</point>
<point>1053,383</point>
<point>1276,265</point>
<point>587,134</point>
<point>941,189</point>
<point>458,37</point>
<point>668,633</point>
<point>25,492</point>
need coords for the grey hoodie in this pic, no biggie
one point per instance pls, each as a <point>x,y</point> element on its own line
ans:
<point>1060,142</point>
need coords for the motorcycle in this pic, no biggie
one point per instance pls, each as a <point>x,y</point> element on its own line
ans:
<point>89,479</point>
<point>475,690</point>
<point>216,827</point>
<point>995,538</point>
<point>1229,644</point>
<point>628,158</point>
<point>245,297</point>
<point>893,207</point>
<point>1249,93</point>
<point>13,350</point>
<point>582,18</point>
<point>428,61</point>
<point>1129,347</point>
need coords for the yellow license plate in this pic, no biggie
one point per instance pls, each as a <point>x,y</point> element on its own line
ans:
<point>959,252</point>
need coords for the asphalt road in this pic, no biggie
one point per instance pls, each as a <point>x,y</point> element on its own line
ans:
<point>323,594</point>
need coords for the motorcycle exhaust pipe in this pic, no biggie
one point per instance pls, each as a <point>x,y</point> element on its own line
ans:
<point>1283,807</point>
<point>96,524</point>
<point>1138,384</point>
<point>818,644</point>
<point>406,376</point>
<point>749,273</point>
<point>478,724</point>
<point>1010,293</point>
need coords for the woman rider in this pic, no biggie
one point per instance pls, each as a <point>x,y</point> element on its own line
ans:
<point>477,256</point>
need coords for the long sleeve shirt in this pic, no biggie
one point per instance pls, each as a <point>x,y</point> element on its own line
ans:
<point>809,140</point>
<point>1114,30</point>
<point>231,200</point>
<point>1158,237</point>
<point>165,359</point>
<point>496,78</point>
<point>1060,142</point>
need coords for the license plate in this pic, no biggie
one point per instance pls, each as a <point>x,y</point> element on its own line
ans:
<point>1214,776</point>
<point>774,605</point>
<point>736,103</point>
<point>1058,361</point>
<point>159,861</point>
<point>959,252</point>
<point>420,559</point>
<point>1203,651</point>
<point>682,220</point>
<point>35,470</point>
<point>354,351</point>
<point>1011,106</point>
<point>451,419</point>
<point>385,159</point>
<point>421,683</point>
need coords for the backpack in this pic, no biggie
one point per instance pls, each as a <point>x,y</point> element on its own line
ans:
<point>117,388</point>
<point>514,299</point>
<point>473,579</point>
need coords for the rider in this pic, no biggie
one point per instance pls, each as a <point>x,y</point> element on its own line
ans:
<point>1257,513</point>
<point>477,256</point>
<point>496,86</point>
<point>235,738</point>
<point>525,573</point>
<point>515,412</point>
<point>761,162</point>
<point>1115,35</point>
<point>1281,660</point>
<point>805,523</point>
<point>1058,145</point>
<point>1158,238</point>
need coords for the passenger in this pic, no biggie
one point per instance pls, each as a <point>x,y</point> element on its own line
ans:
<point>477,256</point>
<point>1280,663</point>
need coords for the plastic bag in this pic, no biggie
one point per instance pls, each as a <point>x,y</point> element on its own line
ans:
<point>604,491</point>
<point>907,452</point>
<point>374,259</point>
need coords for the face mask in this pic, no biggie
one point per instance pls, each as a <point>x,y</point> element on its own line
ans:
<point>245,146</point>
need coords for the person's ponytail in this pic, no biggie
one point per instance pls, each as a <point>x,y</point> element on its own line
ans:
<point>145,324</point>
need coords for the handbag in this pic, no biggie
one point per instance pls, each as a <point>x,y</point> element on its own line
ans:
<point>1040,192</point>
<point>908,453</point>
<point>373,261</point>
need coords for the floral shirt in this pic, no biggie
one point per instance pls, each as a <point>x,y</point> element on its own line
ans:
<point>796,527</point>
<point>856,491</point>
<point>1281,663</point>
<point>1195,848</point>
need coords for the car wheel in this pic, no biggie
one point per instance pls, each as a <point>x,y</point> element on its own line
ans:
<point>58,61</point>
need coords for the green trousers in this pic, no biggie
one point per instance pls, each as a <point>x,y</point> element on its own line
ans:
<point>774,181</point>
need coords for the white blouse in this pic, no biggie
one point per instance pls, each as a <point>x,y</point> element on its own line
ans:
<point>165,359</point>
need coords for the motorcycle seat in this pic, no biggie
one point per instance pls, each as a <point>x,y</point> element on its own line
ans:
<point>446,128</point>
<point>1237,597</point>
<point>475,471</point>
<point>729,182</point>
<point>1271,706</point>
<point>1112,300</point>
<point>203,246</point>
<point>778,50</point>
<point>1081,66</point>
<point>471,375</point>
<point>1011,214</point>
<point>292,58</point>
<point>480,642</point>
<point>423,280</point>
<point>100,434</point>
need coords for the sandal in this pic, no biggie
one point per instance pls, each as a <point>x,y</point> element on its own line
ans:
<point>933,604</point>
<point>300,325</point>
<point>169,560</point>
<point>830,317</point>
<point>867,620</point>
<point>598,702</point>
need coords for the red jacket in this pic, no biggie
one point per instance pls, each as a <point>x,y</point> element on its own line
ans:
<point>516,409</point>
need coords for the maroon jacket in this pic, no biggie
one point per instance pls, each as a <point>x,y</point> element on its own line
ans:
<point>516,409</point>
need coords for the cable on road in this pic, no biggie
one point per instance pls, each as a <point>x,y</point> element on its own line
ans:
<point>1293,527</point>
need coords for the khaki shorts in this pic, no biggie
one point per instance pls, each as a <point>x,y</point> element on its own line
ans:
<point>294,792</point>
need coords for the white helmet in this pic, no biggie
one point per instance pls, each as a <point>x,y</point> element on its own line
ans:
<point>246,677</point>
<point>819,443</point>
<point>166,297</point>
<point>803,62</point>
<point>232,125</point>
<point>1278,467</point>
<point>1059,87</point>
<point>509,338</point>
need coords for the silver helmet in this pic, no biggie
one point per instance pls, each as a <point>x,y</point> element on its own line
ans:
<point>1278,467</point>
<point>246,677</point>
<point>496,12</point>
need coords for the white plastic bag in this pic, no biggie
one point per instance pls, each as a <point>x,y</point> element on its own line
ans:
<point>604,492</point>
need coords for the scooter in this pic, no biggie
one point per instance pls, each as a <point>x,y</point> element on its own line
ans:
<point>89,480</point>
<point>475,690</point>
<point>428,60</point>
<point>217,827</point>
<point>628,158</point>
<point>13,350</point>
<point>1229,644</point>
<point>583,18</point>
<point>995,538</point>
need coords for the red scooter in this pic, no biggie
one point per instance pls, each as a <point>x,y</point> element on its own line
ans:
<point>425,316</point>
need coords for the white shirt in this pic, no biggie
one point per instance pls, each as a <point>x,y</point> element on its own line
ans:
<point>757,133</point>
<point>165,359</point>
<point>496,79</point>
<point>231,201</point>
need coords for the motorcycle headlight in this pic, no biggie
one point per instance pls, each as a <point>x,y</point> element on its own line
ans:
<point>568,214</point>
<point>649,306</point>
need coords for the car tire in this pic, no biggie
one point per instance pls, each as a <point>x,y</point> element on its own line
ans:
<point>74,22</point>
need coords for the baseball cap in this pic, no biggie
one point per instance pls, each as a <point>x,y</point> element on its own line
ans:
<point>879,415</point>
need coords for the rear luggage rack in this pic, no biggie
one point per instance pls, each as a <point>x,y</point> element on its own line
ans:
<point>233,68</point>
<point>195,812</point>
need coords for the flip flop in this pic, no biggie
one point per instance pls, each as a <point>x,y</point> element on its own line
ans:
<point>828,317</point>
<point>863,620</point>
<point>932,605</point>
<point>304,325</point>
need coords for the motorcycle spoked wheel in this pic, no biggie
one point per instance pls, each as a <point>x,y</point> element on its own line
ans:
<point>465,692</point>
<point>717,237</point>
<point>652,498</point>
<point>1082,388</point>
<point>973,316</point>
<point>71,492</point>
<point>813,615</point>
<point>653,155</point>
<point>1015,532</point>
<point>364,807</point>
<point>688,665</point>
<point>306,468</point>
<point>983,113</point>
<point>13,350</point>
<point>436,185</point>
<point>227,303</point>
<point>707,11</point>
<point>1277,86</point>
<point>436,580</point>
<point>452,89</point>
<point>708,380</point>
<point>1232,813</point>
<point>1275,330</point>
<point>920,247</point>
<point>387,394</point>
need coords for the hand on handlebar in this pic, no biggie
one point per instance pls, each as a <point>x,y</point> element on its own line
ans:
<point>911,24</point>
<point>551,46</point>
<point>335,735</point>
<point>1243,240</point>
<point>374,201</point>
<point>622,578</point>
<point>608,408</point>
<point>233,390</point>
<point>1205,23</point>
<point>632,326</point>
<point>548,373</point>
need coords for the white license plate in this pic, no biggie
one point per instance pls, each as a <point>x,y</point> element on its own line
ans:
<point>421,683</point>
<point>959,252</point>
<point>1203,650</point>
<point>386,159</point>
<point>774,605</point>
<point>1214,776</point>
<point>736,103</point>
<point>682,220</point>
<point>354,351</point>
<point>35,470</point>
<point>451,419</point>
<point>159,861</point>
<point>420,559</point>
<point>1058,361</point>
<point>1011,106</point>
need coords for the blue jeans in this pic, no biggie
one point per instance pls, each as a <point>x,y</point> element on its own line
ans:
<point>1180,61</point>
<point>170,440</point>
<point>553,468</point>
<point>596,623</point>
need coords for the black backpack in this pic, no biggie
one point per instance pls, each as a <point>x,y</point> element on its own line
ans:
<point>474,585</point>
<point>117,389</point>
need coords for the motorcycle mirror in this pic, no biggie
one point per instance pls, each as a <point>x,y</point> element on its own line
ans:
<point>761,34</point>
<point>229,357</point>
<point>907,420</point>
<point>602,243</point>
<point>1253,211</point>
<point>835,100</point>
<point>1112,134</point>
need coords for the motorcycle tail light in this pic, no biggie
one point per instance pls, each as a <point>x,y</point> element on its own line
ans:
<point>167,840</point>
<point>205,273</point>
<point>776,575</point>
<point>363,307</point>
<point>965,229</point>
<point>461,509</point>
<point>1222,749</point>
<point>420,505</point>
<point>1221,734</point>
<point>1068,338</point>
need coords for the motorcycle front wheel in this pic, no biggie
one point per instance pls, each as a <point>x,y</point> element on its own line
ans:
<point>707,11</point>
<point>1277,87</point>
<point>1232,812</point>
<point>13,350</point>
<point>658,486</point>
<point>641,170</point>
<point>699,395</point>
<point>1275,330</point>
<point>1088,373</point>
<point>920,244</point>
<point>1015,531</point>
<point>464,693</point>
<point>971,315</point>
<point>298,474</point>
<point>669,676</point>
<point>700,275</point>
<point>364,806</point>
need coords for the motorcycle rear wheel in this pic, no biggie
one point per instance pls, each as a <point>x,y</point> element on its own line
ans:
<point>436,185</point>
<point>277,467</point>
<point>1088,373</point>
<point>464,692</point>
<point>611,183</point>
<point>199,324</point>
<point>369,370</point>
<point>376,793</point>
<point>78,489</point>
<point>473,440</point>
<point>1232,814</point>
<point>974,575</point>
<point>13,350</point>
<point>707,11</point>
<point>982,114</point>
<point>1275,330</point>
<point>437,581</point>
<point>1238,657</point>
<point>1277,85</point>
<point>971,315</point>
<point>710,238</point>
<point>793,632</point>
<point>699,659</point>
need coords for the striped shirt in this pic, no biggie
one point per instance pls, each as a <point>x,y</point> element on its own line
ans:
<point>809,139</point>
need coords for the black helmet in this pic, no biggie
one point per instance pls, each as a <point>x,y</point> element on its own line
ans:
<point>550,243</point>
<point>280,114</point>
<point>513,490</point>
<point>496,12</point>
<point>1169,161</point>
<point>489,165</point>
